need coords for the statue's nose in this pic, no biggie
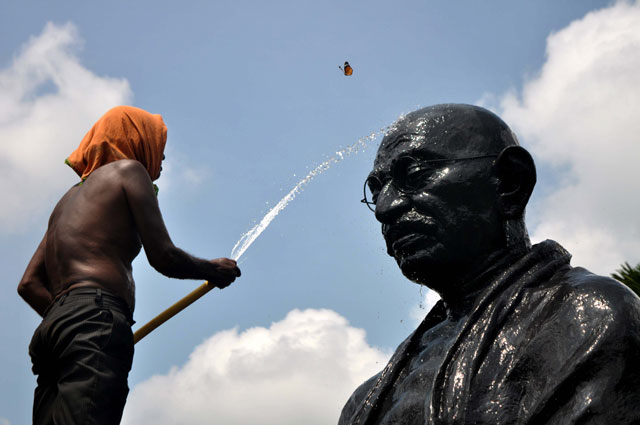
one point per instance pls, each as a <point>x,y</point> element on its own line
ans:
<point>391,203</point>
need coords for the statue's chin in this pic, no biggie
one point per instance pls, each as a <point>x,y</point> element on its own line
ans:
<point>426,267</point>
<point>416,266</point>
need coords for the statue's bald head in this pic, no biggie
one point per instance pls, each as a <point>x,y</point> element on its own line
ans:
<point>458,129</point>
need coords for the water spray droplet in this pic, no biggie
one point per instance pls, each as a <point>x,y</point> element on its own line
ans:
<point>248,238</point>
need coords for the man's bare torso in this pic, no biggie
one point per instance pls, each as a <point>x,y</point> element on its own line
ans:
<point>96,231</point>
<point>92,238</point>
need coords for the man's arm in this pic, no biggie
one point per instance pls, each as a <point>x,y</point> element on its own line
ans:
<point>33,286</point>
<point>162,254</point>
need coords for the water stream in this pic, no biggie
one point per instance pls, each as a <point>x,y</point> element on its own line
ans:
<point>249,237</point>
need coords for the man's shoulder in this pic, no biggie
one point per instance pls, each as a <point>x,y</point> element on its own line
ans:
<point>119,173</point>
<point>121,167</point>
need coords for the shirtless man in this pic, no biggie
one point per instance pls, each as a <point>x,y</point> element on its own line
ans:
<point>520,336</point>
<point>80,277</point>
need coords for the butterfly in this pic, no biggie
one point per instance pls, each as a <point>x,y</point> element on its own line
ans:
<point>347,69</point>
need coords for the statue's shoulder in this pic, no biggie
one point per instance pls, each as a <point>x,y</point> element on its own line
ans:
<point>593,297</point>
<point>587,284</point>
<point>356,399</point>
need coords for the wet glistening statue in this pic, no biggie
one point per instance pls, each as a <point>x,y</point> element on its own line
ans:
<point>520,336</point>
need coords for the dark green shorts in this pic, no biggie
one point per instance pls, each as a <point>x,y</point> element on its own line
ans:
<point>82,353</point>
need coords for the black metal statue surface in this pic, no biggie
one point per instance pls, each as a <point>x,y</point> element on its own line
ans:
<point>520,336</point>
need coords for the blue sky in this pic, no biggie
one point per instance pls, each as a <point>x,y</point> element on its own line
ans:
<point>254,100</point>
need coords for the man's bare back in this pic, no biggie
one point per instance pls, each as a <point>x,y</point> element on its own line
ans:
<point>98,228</point>
<point>92,236</point>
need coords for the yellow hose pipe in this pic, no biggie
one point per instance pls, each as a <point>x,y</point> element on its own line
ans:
<point>176,308</point>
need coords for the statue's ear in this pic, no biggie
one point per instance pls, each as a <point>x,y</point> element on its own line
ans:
<point>516,174</point>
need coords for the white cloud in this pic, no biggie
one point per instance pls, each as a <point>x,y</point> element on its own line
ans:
<point>300,370</point>
<point>48,101</point>
<point>580,114</point>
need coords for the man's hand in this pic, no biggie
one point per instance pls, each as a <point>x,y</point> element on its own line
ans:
<point>225,272</point>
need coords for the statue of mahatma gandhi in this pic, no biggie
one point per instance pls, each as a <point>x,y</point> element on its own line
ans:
<point>520,336</point>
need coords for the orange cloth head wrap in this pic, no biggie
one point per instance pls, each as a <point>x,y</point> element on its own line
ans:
<point>124,132</point>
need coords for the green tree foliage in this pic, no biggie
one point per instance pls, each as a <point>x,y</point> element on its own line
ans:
<point>630,276</point>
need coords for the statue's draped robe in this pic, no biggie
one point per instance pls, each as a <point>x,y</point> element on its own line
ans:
<point>545,343</point>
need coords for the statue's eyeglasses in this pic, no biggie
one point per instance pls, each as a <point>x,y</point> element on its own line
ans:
<point>408,175</point>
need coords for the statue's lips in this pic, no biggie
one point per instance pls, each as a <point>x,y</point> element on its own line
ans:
<point>409,243</point>
<point>406,237</point>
